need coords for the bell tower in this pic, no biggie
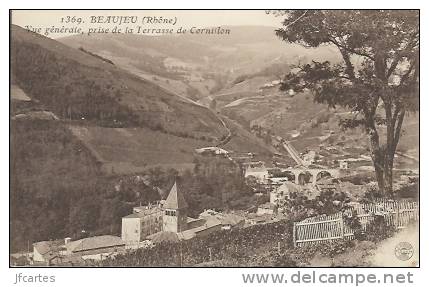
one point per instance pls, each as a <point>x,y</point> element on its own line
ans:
<point>175,211</point>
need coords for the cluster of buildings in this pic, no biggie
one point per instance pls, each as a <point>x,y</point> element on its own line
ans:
<point>169,220</point>
<point>68,252</point>
<point>280,183</point>
<point>147,225</point>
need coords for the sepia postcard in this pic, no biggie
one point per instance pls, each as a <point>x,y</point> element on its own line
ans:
<point>214,138</point>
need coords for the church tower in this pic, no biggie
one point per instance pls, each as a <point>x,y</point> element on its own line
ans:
<point>175,211</point>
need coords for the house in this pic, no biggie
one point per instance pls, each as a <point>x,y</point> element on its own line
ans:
<point>212,151</point>
<point>144,221</point>
<point>103,244</point>
<point>232,221</point>
<point>266,208</point>
<point>344,164</point>
<point>168,222</point>
<point>69,252</point>
<point>195,228</point>
<point>254,218</point>
<point>46,251</point>
<point>209,225</point>
<point>228,220</point>
<point>309,157</point>
<point>169,215</point>
<point>281,190</point>
<point>256,169</point>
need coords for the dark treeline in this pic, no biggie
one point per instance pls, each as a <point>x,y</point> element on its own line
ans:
<point>69,89</point>
<point>77,86</point>
<point>96,56</point>
<point>56,188</point>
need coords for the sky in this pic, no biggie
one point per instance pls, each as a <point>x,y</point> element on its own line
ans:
<point>185,18</point>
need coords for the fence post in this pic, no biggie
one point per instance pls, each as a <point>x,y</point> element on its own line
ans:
<point>397,215</point>
<point>342,226</point>
<point>294,234</point>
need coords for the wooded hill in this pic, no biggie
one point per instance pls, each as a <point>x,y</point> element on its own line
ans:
<point>79,86</point>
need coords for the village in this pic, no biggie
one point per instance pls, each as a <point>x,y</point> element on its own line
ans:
<point>267,144</point>
<point>168,221</point>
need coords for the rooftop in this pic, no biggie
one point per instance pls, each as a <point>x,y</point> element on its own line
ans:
<point>17,94</point>
<point>96,242</point>
<point>224,218</point>
<point>163,236</point>
<point>49,249</point>
<point>142,211</point>
<point>175,199</point>
<point>267,205</point>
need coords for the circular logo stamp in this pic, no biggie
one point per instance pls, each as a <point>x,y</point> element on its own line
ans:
<point>404,251</point>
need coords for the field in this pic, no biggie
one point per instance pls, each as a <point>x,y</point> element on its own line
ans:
<point>130,150</point>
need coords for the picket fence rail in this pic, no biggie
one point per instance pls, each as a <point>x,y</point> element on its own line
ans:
<point>322,228</point>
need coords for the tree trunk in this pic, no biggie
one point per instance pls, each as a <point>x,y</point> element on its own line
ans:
<point>379,175</point>
<point>388,174</point>
<point>377,155</point>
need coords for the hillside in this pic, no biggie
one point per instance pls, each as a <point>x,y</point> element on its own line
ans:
<point>259,105</point>
<point>238,76</point>
<point>129,124</point>
<point>78,86</point>
<point>79,127</point>
<point>196,66</point>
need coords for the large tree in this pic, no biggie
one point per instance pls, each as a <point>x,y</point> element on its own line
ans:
<point>376,78</point>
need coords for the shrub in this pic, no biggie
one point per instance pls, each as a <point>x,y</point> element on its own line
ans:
<point>327,248</point>
<point>378,229</point>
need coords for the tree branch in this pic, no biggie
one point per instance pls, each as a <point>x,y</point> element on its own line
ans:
<point>338,44</point>
<point>407,74</point>
<point>398,129</point>
<point>399,55</point>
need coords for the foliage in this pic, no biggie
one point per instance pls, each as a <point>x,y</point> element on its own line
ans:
<point>410,190</point>
<point>359,179</point>
<point>377,79</point>
<point>354,223</point>
<point>298,206</point>
<point>213,184</point>
<point>80,86</point>
<point>327,248</point>
<point>378,229</point>
<point>57,189</point>
<point>375,231</point>
<point>96,56</point>
<point>239,246</point>
<point>372,194</point>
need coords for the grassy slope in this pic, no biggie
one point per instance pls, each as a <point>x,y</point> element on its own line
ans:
<point>130,150</point>
<point>183,126</point>
<point>176,128</point>
<point>62,77</point>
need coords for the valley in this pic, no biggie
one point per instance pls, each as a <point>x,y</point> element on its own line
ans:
<point>94,114</point>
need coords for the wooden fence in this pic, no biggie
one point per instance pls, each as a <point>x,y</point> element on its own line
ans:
<point>332,227</point>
